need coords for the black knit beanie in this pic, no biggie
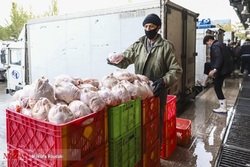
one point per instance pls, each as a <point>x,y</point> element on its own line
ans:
<point>152,18</point>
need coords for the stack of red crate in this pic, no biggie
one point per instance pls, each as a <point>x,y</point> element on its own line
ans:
<point>150,132</point>
<point>169,128</point>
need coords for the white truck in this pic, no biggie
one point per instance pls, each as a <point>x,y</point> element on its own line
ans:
<point>78,44</point>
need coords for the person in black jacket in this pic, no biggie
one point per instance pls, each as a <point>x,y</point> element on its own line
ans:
<point>245,57</point>
<point>221,68</point>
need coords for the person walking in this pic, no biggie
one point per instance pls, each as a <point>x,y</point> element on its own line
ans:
<point>154,57</point>
<point>245,57</point>
<point>221,68</point>
<point>237,56</point>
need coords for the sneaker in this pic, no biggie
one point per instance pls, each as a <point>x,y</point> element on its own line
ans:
<point>220,110</point>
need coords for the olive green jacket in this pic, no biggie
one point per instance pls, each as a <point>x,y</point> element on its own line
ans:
<point>161,60</point>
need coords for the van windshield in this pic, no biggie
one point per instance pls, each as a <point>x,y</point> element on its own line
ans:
<point>15,56</point>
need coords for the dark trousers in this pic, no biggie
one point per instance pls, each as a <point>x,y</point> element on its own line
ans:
<point>163,99</point>
<point>245,63</point>
<point>218,83</point>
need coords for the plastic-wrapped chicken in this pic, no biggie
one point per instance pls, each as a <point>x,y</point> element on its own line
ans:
<point>149,89</point>
<point>22,93</point>
<point>79,108</point>
<point>67,92</point>
<point>142,89</point>
<point>88,87</point>
<point>109,81</point>
<point>42,88</point>
<point>60,102</point>
<point>93,100</point>
<point>109,98</point>
<point>133,90</point>
<point>93,82</point>
<point>23,96</point>
<point>122,93</point>
<point>26,111</point>
<point>115,58</point>
<point>58,80</point>
<point>41,109</point>
<point>32,102</point>
<point>60,114</point>
<point>24,102</point>
<point>143,78</point>
<point>122,74</point>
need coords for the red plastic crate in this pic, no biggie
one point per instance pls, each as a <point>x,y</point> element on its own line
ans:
<point>73,140</point>
<point>168,146</point>
<point>150,109</point>
<point>183,131</point>
<point>152,155</point>
<point>170,109</point>
<point>95,159</point>
<point>150,134</point>
<point>18,158</point>
<point>169,128</point>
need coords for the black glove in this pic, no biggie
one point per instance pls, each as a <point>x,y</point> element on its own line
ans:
<point>110,62</point>
<point>159,85</point>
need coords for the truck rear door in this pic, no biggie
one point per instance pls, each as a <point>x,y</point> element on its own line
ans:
<point>180,26</point>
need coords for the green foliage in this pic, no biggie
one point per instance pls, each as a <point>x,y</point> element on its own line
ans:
<point>19,17</point>
<point>54,10</point>
<point>4,33</point>
<point>226,27</point>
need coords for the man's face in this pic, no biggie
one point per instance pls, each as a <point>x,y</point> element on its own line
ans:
<point>149,27</point>
<point>209,42</point>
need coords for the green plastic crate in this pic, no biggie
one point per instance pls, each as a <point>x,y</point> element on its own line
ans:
<point>123,118</point>
<point>126,151</point>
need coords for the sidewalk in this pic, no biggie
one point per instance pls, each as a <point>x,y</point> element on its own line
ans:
<point>207,128</point>
<point>4,102</point>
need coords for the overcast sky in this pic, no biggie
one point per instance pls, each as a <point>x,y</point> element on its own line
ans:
<point>65,6</point>
<point>214,9</point>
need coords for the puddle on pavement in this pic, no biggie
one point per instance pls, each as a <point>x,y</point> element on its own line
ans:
<point>211,136</point>
<point>203,157</point>
<point>231,110</point>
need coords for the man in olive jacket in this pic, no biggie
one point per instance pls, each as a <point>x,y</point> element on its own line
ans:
<point>155,58</point>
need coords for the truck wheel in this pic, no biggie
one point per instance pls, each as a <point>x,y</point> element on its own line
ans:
<point>11,92</point>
